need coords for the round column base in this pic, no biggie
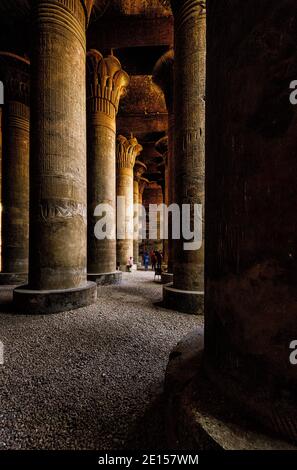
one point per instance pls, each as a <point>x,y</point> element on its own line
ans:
<point>124,268</point>
<point>13,279</point>
<point>106,279</point>
<point>191,302</point>
<point>198,416</point>
<point>53,301</point>
<point>167,278</point>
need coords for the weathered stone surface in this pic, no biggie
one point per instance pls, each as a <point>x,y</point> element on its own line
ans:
<point>105,279</point>
<point>139,169</point>
<point>200,418</point>
<point>58,151</point>
<point>251,231</point>
<point>14,72</point>
<point>107,83</point>
<point>189,110</point>
<point>127,151</point>
<point>58,199</point>
<point>153,195</point>
<point>35,302</point>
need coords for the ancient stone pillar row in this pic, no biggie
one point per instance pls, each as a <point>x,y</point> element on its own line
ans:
<point>187,291</point>
<point>127,151</point>
<point>163,76</point>
<point>251,229</point>
<point>139,170</point>
<point>107,83</point>
<point>15,74</point>
<point>58,197</point>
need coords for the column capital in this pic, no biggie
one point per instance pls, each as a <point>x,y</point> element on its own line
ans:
<point>15,75</point>
<point>183,10</point>
<point>107,83</point>
<point>139,169</point>
<point>187,5</point>
<point>163,77</point>
<point>127,151</point>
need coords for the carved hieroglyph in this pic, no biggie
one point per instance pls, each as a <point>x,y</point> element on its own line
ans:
<point>127,152</point>
<point>14,73</point>
<point>106,84</point>
<point>58,222</point>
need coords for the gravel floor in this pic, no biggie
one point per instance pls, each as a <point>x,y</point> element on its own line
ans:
<point>90,378</point>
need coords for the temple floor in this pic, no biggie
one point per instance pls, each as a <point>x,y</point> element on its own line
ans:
<point>90,378</point>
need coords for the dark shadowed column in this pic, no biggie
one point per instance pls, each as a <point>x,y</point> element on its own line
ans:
<point>143,182</point>
<point>139,170</point>
<point>162,148</point>
<point>15,74</point>
<point>163,76</point>
<point>107,83</point>
<point>251,200</point>
<point>127,151</point>
<point>58,215</point>
<point>187,292</point>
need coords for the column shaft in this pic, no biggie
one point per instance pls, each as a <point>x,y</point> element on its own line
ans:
<point>58,217</point>
<point>189,89</point>
<point>136,222</point>
<point>14,72</point>
<point>251,229</point>
<point>127,151</point>
<point>106,84</point>
<point>15,192</point>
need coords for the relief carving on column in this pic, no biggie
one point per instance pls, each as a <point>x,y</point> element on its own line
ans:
<point>15,75</point>
<point>127,151</point>
<point>107,83</point>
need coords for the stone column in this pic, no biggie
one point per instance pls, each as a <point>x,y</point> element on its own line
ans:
<point>107,83</point>
<point>162,148</point>
<point>187,292</point>
<point>143,182</point>
<point>251,229</point>
<point>127,151</point>
<point>163,76</point>
<point>58,198</point>
<point>139,170</point>
<point>153,195</point>
<point>14,72</point>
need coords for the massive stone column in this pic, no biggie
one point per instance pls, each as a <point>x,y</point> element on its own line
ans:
<point>139,170</point>
<point>58,198</point>
<point>127,151</point>
<point>107,83</point>
<point>15,73</point>
<point>251,229</point>
<point>163,76</point>
<point>187,292</point>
